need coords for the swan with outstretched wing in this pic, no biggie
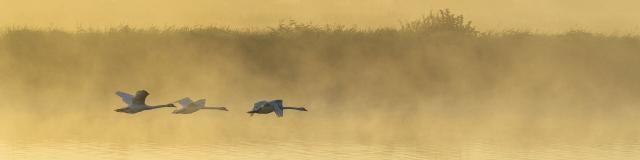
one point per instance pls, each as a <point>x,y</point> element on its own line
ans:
<point>189,106</point>
<point>137,103</point>
<point>265,107</point>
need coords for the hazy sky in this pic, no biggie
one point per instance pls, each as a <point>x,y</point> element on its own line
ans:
<point>535,15</point>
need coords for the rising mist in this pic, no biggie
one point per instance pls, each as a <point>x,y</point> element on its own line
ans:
<point>434,78</point>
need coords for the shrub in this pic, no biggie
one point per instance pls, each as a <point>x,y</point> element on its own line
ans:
<point>441,22</point>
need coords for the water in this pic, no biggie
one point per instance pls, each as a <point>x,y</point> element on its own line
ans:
<point>233,135</point>
<point>298,149</point>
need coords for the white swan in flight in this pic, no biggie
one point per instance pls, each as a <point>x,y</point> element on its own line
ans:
<point>265,107</point>
<point>137,104</point>
<point>188,106</point>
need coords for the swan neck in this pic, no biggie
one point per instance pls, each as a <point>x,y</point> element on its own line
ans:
<point>219,108</point>
<point>160,106</point>
<point>296,108</point>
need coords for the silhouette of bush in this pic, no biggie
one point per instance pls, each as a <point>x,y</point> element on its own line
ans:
<point>442,21</point>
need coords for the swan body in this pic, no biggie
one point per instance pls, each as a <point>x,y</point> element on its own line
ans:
<point>189,106</point>
<point>265,107</point>
<point>137,103</point>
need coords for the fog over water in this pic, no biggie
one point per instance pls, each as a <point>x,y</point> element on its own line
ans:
<point>397,86</point>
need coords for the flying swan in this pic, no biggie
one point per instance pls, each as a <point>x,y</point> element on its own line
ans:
<point>137,104</point>
<point>188,106</point>
<point>265,107</point>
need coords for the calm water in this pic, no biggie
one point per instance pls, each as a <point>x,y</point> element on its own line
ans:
<point>294,149</point>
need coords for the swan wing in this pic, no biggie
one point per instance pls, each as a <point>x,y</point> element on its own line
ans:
<point>258,105</point>
<point>200,102</point>
<point>126,97</point>
<point>195,106</point>
<point>184,102</point>
<point>140,97</point>
<point>278,107</point>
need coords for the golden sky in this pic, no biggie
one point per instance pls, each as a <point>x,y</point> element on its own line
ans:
<point>536,15</point>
